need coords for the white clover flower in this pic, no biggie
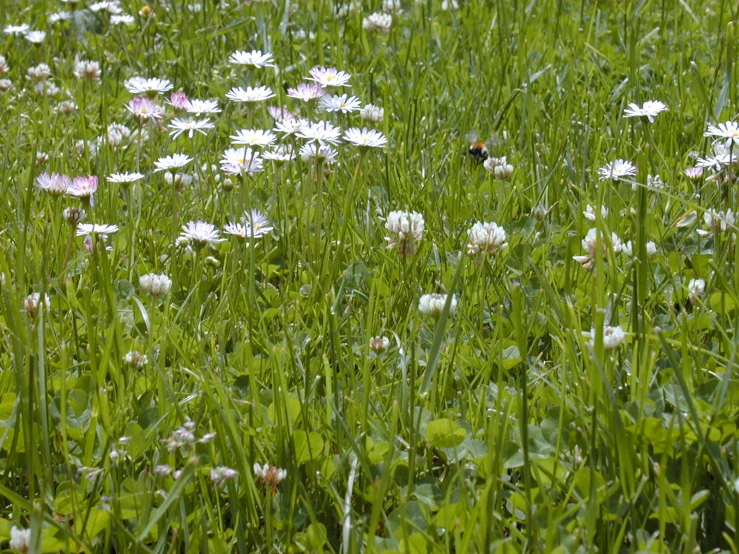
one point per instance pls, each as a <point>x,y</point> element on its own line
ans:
<point>696,288</point>
<point>392,6</point>
<point>378,22</point>
<point>405,231</point>
<point>156,285</point>
<point>5,85</point>
<point>616,170</point>
<point>717,222</point>
<point>366,138</point>
<point>649,110</point>
<point>33,303</point>
<point>590,245</point>
<point>379,344</point>
<point>221,474</point>
<point>253,137</point>
<point>250,94</point>
<point>135,359</point>
<point>169,163</point>
<point>343,103</point>
<point>498,167</point>
<point>728,131</point>
<point>201,233</point>
<point>139,85</point>
<point>254,58</point>
<point>85,69</point>
<point>590,214</point>
<point>433,304</point>
<point>449,5</point>
<point>74,215</point>
<point>4,68</point>
<point>612,337</point>
<point>329,77</point>
<point>628,249</point>
<point>20,539</point>
<point>38,73</point>
<point>372,113</point>
<point>486,237</point>
<point>270,475</point>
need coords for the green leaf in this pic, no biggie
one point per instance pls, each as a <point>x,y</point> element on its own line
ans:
<point>308,446</point>
<point>444,433</point>
<point>96,522</point>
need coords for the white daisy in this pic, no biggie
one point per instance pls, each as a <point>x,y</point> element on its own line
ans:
<point>255,58</point>
<point>123,19</point>
<point>16,30</point>
<point>329,77</point>
<point>199,107</point>
<point>321,131</point>
<point>306,91</point>
<point>35,37</point>
<point>54,184</point>
<point>253,137</point>
<point>616,170</point>
<point>649,110</point>
<point>87,229</point>
<point>728,131</point>
<point>343,103</point>
<point>283,153</point>
<point>200,232</point>
<point>175,161</point>
<point>139,85</point>
<point>318,152</point>
<point>241,160</point>
<point>189,126</point>
<point>365,137</point>
<point>290,126</point>
<point>125,177</point>
<point>145,108</point>
<point>249,94</point>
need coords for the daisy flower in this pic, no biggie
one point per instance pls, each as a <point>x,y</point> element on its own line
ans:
<point>241,160</point>
<point>83,187</point>
<point>329,77</point>
<point>717,222</point>
<point>189,126</point>
<point>255,58</point>
<point>318,152</point>
<point>341,103</point>
<point>122,19</point>
<point>139,85</point>
<point>87,229</point>
<point>365,137</point>
<point>178,100</point>
<point>199,107</point>
<point>110,7</point>
<point>144,108</point>
<point>321,131</point>
<point>616,170</point>
<point>201,233</point>
<point>16,30</point>
<point>54,184</point>
<point>169,163</point>
<point>280,114</point>
<point>35,37</point>
<point>250,94</point>
<point>59,16</point>
<point>253,225</point>
<point>290,126</point>
<point>253,137</point>
<point>306,91</point>
<point>728,131</point>
<point>125,177</point>
<point>649,110</point>
<point>693,173</point>
<point>283,153</point>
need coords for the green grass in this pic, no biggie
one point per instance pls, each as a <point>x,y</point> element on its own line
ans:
<point>498,427</point>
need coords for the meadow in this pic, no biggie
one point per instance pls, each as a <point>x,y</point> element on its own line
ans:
<point>391,276</point>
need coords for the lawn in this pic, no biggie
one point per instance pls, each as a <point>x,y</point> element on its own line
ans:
<point>393,276</point>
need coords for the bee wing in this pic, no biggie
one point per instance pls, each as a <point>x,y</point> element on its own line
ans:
<point>471,136</point>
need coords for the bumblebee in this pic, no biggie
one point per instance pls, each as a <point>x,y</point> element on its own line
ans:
<point>478,149</point>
